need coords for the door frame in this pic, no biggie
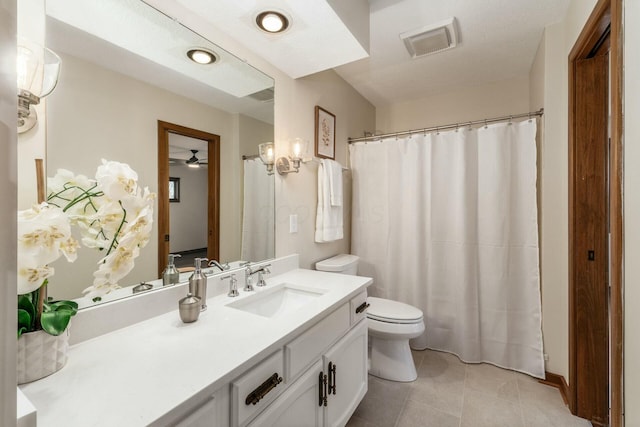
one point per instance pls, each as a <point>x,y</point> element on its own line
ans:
<point>607,14</point>
<point>213,189</point>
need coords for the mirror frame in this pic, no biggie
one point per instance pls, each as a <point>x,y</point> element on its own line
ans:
<point>213,190</point>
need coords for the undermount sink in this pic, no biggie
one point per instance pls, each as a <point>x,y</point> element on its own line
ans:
<point>278,300</point>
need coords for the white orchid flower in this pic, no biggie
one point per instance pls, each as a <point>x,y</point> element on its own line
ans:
<point>43,235</point>
<point>117,180</point>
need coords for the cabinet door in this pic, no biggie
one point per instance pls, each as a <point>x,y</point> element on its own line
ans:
<point>347,361</point>
<point>298,406</point>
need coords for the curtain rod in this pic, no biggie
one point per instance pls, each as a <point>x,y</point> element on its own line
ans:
<point>531,114</point>
<point>250,157</point>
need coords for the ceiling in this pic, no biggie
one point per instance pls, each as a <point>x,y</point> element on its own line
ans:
<point>499,39</point>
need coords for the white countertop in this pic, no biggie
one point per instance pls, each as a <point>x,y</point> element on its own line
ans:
<point>137,374</point>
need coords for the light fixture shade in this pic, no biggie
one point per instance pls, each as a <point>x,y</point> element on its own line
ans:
<point>298,148</point>
<point>37,71</point>
<point>266,153</point>
<point>37,68</point>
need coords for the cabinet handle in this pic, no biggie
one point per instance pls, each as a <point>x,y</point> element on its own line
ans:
<point>259,393</point>
<point>322,389</point>
<point>362,307</point>
<point>332,378</point>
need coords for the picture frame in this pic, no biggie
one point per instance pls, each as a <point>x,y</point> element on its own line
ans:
<point>174,190</point>
<point>325,134</point>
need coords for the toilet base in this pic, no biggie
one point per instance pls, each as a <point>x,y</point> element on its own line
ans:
<point>391,359</point>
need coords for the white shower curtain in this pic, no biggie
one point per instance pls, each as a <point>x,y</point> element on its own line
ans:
<point>258,212</point>
<point>448,223</point>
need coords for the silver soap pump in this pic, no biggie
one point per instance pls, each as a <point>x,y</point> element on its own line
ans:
<point>198,283</point>
<point>171,275</point>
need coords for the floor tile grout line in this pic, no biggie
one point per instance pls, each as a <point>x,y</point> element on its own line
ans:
<point>404,405</point>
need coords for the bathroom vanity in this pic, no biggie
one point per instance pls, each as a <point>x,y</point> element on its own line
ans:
<point>293,353</point>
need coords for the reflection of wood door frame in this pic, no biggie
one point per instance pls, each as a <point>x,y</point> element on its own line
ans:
<point>213,189</point>
<point>602,33</point>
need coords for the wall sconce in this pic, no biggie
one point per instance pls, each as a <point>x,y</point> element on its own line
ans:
<point>37,70</point>
<point>291,164</point>
<point>265,151</point>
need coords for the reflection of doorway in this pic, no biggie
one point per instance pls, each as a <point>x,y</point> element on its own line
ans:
<point>212,194</point>
<point>595,219</point>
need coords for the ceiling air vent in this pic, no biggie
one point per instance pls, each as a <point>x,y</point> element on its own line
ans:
<point>265,95</point>
<point>431,39</point>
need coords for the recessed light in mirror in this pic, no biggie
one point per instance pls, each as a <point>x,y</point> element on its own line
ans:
<point>201,56</point>
<point>272,22</point>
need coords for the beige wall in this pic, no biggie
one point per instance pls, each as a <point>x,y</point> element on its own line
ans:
<point>120,123</point>
<point>632,212</point>
<point>8,185</point>
<point>297,193</point>
<point>464,104</point>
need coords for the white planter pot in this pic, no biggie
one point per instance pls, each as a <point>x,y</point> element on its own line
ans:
<point>41,354</point>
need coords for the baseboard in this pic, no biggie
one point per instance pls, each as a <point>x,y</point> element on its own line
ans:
<point>557,381</point>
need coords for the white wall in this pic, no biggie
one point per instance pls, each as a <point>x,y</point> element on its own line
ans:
<point>465,104</point>
<point>120,123</point>
<point>8,185</point>
<point>632,212</point>
<point>188,218</point>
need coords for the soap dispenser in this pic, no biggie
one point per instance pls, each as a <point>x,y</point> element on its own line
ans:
<point>171,275</point>
<point>198,283</point>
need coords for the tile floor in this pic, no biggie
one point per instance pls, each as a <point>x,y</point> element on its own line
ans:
<point>449,393</point>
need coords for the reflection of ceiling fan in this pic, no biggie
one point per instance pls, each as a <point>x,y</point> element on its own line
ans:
<point>194,161</point>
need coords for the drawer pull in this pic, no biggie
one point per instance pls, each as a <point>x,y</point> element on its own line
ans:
<point>362,307</point>
<point>322,389</point>
<point>332,378</point>
<point>259,393</point>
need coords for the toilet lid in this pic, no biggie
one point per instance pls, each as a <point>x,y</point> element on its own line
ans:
<point>390,311</point>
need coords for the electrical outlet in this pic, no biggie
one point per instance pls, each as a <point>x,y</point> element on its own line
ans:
<point>546,357</point>
<point>293,223</point>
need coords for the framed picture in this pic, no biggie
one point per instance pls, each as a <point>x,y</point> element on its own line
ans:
<point>174,190</point>
<point>325,134</point>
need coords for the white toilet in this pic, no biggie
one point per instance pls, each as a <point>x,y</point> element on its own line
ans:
<point>391,325</point>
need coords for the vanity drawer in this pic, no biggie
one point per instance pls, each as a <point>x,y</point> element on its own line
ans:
<point>358,307</point>
<point>305,349</point>
<point>256,389</point>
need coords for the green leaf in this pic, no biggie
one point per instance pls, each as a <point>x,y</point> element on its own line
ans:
<point>55,322</point>
<point>26,304</point>
<point>24,321</point>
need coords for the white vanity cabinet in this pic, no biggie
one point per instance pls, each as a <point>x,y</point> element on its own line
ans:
<point>326,382</point>
<point>212,410</point>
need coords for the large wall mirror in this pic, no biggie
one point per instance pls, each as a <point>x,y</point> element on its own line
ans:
<point>125,70</point>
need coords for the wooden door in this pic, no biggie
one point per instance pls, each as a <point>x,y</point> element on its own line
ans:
<point>590,259</point>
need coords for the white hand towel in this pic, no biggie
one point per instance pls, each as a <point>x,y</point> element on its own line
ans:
<point>328,218</point>
<point>335,181</point>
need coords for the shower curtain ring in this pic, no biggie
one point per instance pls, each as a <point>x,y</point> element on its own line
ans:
<point>510,120</point>
<point>529,116</point>
<point>457,127</point>
<point>485,124</point>
<point>437,130</point>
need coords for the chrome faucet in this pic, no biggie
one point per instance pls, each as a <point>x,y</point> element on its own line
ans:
<point>248,286</point>
<point>261,272</point>
<point>233,285</point>
<point>214,263</point>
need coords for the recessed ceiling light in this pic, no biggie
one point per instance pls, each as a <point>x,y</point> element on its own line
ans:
<point>272,21</point>
<point>201,56</point>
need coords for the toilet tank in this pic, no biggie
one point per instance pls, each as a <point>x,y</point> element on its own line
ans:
<point>343,263</point>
